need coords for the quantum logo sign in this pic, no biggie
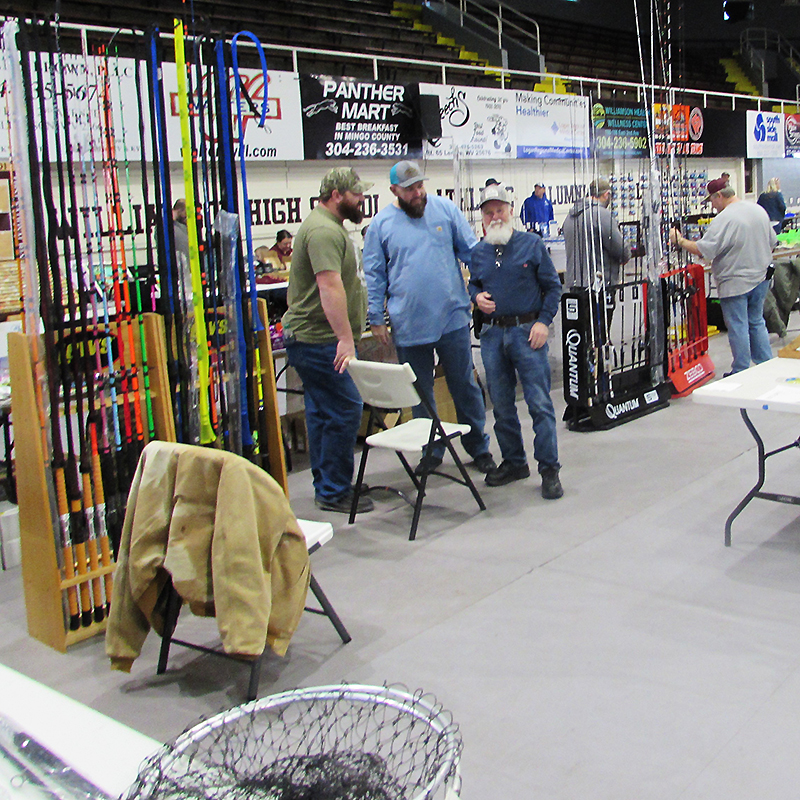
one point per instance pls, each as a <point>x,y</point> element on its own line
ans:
<point>573,342</point>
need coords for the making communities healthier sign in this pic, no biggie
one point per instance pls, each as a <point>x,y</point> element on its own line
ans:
<point>352,118</point>
<point>498,123</point>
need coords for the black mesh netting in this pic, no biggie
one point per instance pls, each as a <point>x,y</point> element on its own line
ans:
<point>326,743</point>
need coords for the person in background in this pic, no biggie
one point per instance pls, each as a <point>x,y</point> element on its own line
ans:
<point>738,242</point>
<point>263,263</point>
<point>283,247</point>
<point>593,240</point>
<point>773,203</point>
<point>514,283</point>
<point>180,231</point>
<point>326,316</point>
<point>411,263</point>
<point>491,182</point>
<point>537,212</point>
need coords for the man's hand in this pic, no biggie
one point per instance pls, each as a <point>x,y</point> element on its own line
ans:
<point>674,236</point>
<point>485,303</point>
<point>381,333</point>
<point>345,352</point>
<point>538,335</point>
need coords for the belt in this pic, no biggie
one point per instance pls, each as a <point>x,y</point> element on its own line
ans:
<point>512,320</point>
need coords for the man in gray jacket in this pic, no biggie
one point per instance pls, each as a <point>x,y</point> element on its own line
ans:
<point>593,239</point>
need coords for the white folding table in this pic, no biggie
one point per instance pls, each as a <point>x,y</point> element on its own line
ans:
<point>771,386</point>
<point>105,752</point>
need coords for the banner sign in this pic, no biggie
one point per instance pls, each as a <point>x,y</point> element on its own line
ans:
<point>503,123</point>
<point>724,133</point>
<point>478,123</point>
<point>552,125</point>
<point>678,130</point>
<point>792,136</point>
<point>619,130</point>
<point>765,134</point>
<point>86,82</point>
<point>353,118</point>
<point>281,137</point>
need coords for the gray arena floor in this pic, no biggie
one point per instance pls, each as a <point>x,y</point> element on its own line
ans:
<point>600,647</point>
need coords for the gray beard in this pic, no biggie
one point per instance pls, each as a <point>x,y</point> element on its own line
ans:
<point>499,234</point>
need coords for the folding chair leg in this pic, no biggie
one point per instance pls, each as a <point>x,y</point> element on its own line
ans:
<point>173,609</point>
<point>329,611</point>
<point>255,675</point>
<point>465,475</point>
<point>418,506</point>
<point>359,481</point>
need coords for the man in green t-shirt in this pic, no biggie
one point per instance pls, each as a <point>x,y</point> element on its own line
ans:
<point>327,313</point>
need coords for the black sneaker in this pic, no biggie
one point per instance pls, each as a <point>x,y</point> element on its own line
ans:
<point>342,504</point>
<point>427,464</point>
<point>484,463</point>
<point>506,473</point>
<point>551,485</point>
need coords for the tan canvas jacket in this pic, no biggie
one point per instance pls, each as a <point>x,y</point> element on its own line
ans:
<point>223,529</point>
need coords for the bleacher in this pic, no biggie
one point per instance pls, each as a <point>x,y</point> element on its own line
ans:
<point>385,28</point>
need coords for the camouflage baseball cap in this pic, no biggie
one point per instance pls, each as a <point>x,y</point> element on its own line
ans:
<point>343,179</point>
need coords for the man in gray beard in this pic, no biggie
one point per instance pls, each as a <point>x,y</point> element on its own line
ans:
<point>514,283</point>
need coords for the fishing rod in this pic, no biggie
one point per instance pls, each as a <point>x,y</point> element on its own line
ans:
<point>229,201</point>
<point>169,277</point>
<point>49,318</point>
<point>207,433</point>
<point>255,317</point>
<point>81,371</point>
<point>139,311</point>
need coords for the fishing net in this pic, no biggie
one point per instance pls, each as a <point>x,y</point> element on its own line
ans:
<point>323,743</point>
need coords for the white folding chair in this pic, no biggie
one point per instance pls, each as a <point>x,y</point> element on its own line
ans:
<point>393,386</point>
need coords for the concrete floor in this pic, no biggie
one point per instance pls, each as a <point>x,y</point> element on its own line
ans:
<point>603,646</point>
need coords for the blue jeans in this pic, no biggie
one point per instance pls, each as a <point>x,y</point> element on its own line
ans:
<point>455,355</point>
<point>507,353</point>
<point>333,416</point>
<point>747,331</point>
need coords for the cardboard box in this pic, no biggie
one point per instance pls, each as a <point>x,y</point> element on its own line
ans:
<point>10,550</point>
<point>5,197</point>
<point>6,245</point>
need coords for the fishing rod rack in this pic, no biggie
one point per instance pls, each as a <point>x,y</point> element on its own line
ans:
<point>138,326</point>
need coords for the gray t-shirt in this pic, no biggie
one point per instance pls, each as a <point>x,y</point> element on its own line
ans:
<point>739,243</point>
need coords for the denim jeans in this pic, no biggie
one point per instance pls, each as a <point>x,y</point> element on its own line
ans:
<point>333,416</point>
<point>455,355</point>
<point>507,353</point>
<point>747,331</point>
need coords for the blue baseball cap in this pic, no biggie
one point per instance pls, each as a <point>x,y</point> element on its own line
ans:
<point>405,174</point>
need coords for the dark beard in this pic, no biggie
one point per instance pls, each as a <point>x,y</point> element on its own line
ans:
<point>353,212</point>
<point>413,211</point>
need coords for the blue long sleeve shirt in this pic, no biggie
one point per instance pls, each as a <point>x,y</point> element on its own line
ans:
<point>519,276</point>
<point>413,266</point>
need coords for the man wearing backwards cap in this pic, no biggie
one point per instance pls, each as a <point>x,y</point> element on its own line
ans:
<point>738,243</point>
<point>327,313</point>
<point>514,283</point>
<point>411,264</point>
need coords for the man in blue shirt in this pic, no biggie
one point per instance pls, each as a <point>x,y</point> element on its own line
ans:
<point>514,283</point>
<point>411,263</point>
<point>537,212</point>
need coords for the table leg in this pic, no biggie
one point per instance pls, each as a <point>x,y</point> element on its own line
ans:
<point>759,483</point>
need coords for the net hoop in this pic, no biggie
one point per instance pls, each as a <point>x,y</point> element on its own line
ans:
<point>423,708</point>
